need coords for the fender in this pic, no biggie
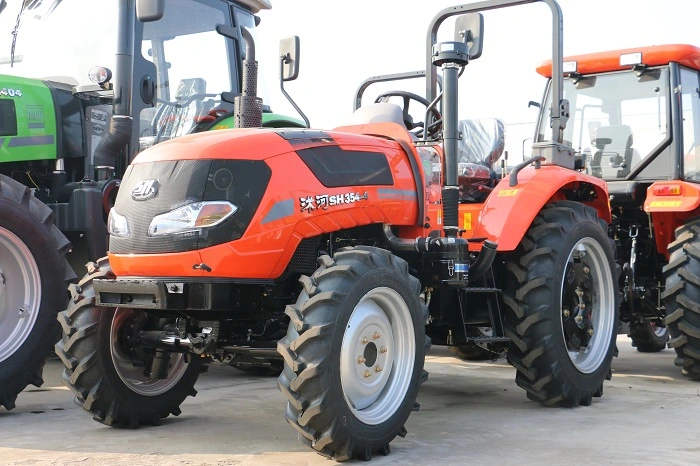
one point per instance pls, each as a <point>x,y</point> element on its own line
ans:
<point>509,211</point>
<point>670,204</point>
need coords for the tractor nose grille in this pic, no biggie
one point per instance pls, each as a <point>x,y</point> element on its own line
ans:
<point>154,188</point>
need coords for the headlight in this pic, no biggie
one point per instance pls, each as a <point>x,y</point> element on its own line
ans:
<point>117,225</point>
<point>191,218</point>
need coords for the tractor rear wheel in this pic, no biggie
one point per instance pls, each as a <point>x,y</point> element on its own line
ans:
<point>33,279</point>
<point>108,374</point>
<point>562,306</point>
<point>354,353</point>
<point>682,298</point>
<point>649,337</point>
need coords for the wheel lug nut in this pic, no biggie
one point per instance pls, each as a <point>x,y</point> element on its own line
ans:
<point>378,369</point>
<point>582,306</point>
<point>578,319</point>
<point>377,335</point>
<point>360,359</point>
<point>365,340</point>
<point>368,374</point>
<point>591,332</point>
<point>586,270</point>
<point>566,312</point>
<point>383,349</point>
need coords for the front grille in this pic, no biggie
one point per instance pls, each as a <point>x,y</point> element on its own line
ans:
<point>181,182</point>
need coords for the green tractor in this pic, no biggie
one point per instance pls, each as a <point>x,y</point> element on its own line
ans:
<point>64,144</point>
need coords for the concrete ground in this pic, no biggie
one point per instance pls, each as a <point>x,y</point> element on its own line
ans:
<point>471,413</point>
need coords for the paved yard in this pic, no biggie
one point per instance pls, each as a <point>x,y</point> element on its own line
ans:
<point>471,413</point>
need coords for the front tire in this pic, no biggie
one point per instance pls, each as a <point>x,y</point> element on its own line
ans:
<point>354,354</point>
<point>106,373</point>
<point>562,306</point>
<point>682,298</point>
<point>649,337</point>
<point>33,278</point>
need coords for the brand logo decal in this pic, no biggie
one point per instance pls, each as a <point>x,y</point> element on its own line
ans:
<point>145,190</point>
<point>324,201</point>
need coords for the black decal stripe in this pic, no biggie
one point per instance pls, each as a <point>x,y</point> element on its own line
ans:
<point>31,141</point>
<point>297,137</point>
<point>335,167</point>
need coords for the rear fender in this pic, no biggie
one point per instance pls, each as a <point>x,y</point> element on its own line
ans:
<point>669,211</point>
<point>509,211</point>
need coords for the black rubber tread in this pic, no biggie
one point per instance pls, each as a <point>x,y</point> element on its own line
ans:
<point>89,370</point>
<point>311,381</point>
<point>682,298</point>
<point>532,314</point>
<point>646,340</point>
<point>32,221</point>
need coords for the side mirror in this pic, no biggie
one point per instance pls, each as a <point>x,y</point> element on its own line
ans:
<point>3,5</point>
<point>149,10</point>
<point>469,28</point>
<point>289,54</point>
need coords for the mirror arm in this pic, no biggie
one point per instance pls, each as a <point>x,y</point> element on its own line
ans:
<point>283,60</point>
<point>427,114</point>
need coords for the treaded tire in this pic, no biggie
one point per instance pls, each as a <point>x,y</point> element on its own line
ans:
<point>31,221</point>
<point>533,298</point>
<point>682,298</point>
<point>320,320</point>
<point>646,340</point>
<point>90,369</point>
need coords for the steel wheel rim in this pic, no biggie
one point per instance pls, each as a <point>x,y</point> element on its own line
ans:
<point>659,331</point>
<point>602,299</point>
<point>134,377</point>
<point>20,293</point>
<point>380,320</point>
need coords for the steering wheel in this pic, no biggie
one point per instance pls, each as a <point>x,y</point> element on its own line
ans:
<point>433,126</point>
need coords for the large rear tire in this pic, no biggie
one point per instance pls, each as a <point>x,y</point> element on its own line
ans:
<point>562,306</point>
<point>354,354</point>
<point>682,298</point>
<point>649,337</point>
<point>109,375</point>
<point>33,280</point>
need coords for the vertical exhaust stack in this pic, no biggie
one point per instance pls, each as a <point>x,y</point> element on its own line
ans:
<point>248,107</point>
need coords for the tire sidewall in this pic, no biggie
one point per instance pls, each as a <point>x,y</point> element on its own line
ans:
<point>39,240</point>
<point>586,381</point>
<point>384,432</point>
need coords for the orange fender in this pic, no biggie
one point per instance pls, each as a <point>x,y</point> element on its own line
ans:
<point>509,211</point>
<point>672,196</point>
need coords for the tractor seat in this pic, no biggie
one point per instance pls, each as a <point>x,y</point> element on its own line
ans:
<point>480,146</point>
<point>382,112</point>
<point>613,155</point>
<point>181,120</point>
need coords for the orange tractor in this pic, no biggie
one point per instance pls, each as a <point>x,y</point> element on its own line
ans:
<point>338,255</point>
<point>635,118</point>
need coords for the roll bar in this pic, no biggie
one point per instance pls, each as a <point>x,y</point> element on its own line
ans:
<point>559,112</point>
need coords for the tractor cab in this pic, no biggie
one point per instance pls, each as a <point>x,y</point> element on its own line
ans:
<point>622,109</point>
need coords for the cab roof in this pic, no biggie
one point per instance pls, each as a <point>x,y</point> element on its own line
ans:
<point>256,5</point>
<point>656,55</point>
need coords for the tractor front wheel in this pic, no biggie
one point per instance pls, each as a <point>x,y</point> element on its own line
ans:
<point>33,279</point>
<point>354,354</point>
<point>107,371</point>
<point>562,306</point>
<point>682,298</point>
<point>649,337</point>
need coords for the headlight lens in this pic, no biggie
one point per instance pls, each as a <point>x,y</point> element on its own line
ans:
<point>117,225</point>
<point>191,218</point>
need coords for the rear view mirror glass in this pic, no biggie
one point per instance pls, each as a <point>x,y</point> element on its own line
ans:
<point>469,28</point>
<point>289,54</point>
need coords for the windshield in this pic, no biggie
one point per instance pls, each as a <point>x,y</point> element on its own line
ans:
<point>617,119</point>
<point>61,43</point>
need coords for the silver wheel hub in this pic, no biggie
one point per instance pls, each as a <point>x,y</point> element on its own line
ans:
<point>377,356</point>
<point>136,377</point>
<point>587,307</point>
<point>20,293</point>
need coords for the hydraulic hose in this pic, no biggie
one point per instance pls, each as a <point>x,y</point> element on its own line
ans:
<point>118,136</point>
